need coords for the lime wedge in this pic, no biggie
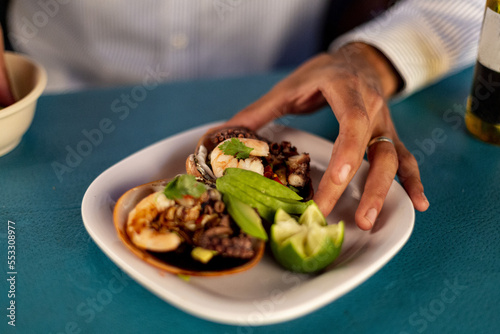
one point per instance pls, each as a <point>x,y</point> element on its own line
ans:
<point>315,239</point>
<point>286,230</point>
<point>306,245</point>
<point>336,232</point>
<point>312,216</point>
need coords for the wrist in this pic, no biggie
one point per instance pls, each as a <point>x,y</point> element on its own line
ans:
<point>390,79</point>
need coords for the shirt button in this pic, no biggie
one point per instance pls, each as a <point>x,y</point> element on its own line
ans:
<point>179,41</point>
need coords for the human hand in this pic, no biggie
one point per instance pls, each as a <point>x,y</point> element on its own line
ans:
<point>6,97</point>
<point>355,81</point>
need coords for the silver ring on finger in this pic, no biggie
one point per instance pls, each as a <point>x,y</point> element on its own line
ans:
<point>378,140</point>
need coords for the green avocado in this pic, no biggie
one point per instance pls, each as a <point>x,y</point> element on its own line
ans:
<point>203,255</point>
<point>258,196</point>
<point>264,210</point>
<point>245,216</point>
<point>261,183</point>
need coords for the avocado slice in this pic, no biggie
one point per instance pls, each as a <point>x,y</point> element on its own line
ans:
<point>261,183</point>
<point>264,210</point>
<point>202,254</point>
<point>245,216</point>
<point>258,196</point>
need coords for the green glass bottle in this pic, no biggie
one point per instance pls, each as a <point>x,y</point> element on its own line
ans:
<point>482,116</point>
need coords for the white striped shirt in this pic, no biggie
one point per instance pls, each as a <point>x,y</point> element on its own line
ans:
<point>86,43</point>
<point>424,39</point>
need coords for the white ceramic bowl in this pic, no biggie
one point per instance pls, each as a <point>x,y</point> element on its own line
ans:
<point>28,80</point>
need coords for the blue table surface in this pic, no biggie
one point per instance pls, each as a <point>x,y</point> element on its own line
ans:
<point>446,279</point>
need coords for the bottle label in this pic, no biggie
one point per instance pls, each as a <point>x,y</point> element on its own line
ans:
<point>489,44</point>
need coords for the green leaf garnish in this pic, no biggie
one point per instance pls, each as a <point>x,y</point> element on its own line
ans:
<point>236,148</point>
<point>184,185</point>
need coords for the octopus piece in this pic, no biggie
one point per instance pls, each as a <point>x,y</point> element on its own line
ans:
<point>298,170</point>
<point>281,161</point>
<point>164,232</point>
<point>160,224</point>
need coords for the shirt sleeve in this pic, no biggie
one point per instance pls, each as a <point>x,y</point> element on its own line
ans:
<point>424,39</point>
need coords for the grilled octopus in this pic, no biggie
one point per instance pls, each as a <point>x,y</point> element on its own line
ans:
<point>278,161</point>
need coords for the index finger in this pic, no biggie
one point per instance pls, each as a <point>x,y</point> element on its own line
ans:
<point>349,147</point>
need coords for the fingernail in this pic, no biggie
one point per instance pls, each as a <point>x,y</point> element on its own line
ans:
<point>424,198</point>
<point>371,215</point>
<point>344,173</point>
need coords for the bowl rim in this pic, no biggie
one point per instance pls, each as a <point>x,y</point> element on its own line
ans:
<point>34,93</point>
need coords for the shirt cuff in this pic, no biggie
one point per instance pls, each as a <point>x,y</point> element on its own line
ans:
<point>413,48</point>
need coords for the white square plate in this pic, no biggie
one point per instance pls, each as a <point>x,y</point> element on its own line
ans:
<point>265,294</point>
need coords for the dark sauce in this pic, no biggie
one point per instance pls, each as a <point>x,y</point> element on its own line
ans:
<point>181,258</point>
